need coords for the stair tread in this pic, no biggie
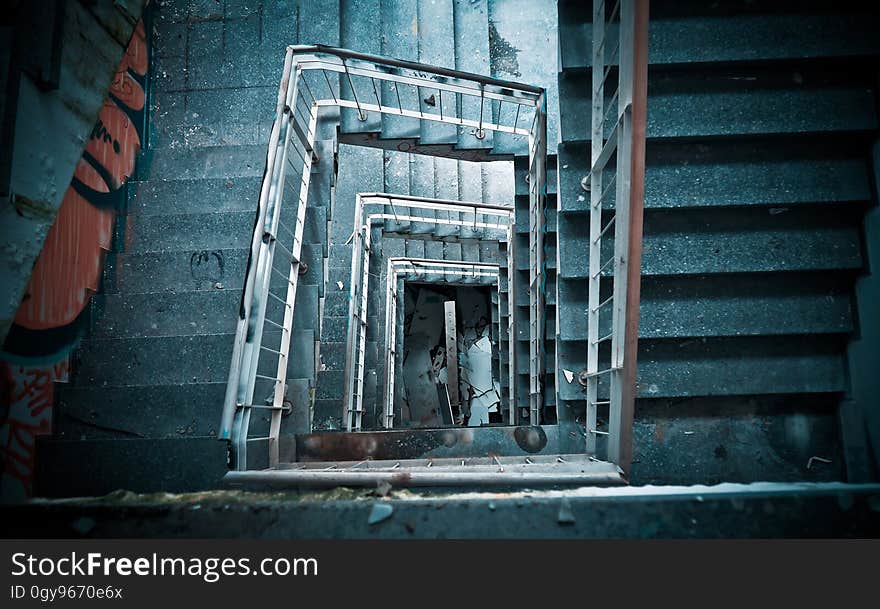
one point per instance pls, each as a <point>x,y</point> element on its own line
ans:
<point>471,21</point>
<point>437,48</point>
<point>700,33</point>
<point>734,102</point>
<point>399,26</point>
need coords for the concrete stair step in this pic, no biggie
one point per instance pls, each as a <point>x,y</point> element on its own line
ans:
<point>522,255</point>
<point>152,411</point>
<point>436,41</point>
<point>470,189</point>
<point>330,385</point>
<point>498,183</point>
<point>165,314</point>
<point>397,180</point>
<point>299,392</point>
<point>691,33</point>
<point>446,186</point>
<point>730,241</point>
<point>75,468</point>
<point>521,170</point>
<point>228,230</point>
<point>697,306</point>
<point>361,169</point>
<point>360,22</point>
<point>245,48</point>
<point>186,313</point>
<point>400,25</point>
<point>736,101</point>
<point>752,365</point>
<point>757,171</point>
<point>422,184</point>
<point>740,366</point>
<point>333,355</point>
<point>168,360</point>
<point>334,328</point>
<point>472,55</point>
<point>206,162</point>
<point>522,215</point>
<point>416,248</point>
<point>520,34</point>
<point>323,173</point>
<point>319,23</point>
<point>328,414</point>
<point>214,195</point>
<point>215,116</point>
<point>436,250</point>
<point>175,271</point>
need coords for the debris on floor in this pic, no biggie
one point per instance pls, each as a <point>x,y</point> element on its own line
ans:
<point>420,344</point>
<point>445,326</point>
<point>380,512</point>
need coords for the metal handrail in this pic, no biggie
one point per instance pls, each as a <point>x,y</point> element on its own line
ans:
<point>396,267</point>
<point>416,66</point>
<point>359,280</point>
<point>625,143</point>
<point>306,88</point>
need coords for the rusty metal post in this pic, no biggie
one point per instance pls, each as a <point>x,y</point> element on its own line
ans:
<point>620,446</point>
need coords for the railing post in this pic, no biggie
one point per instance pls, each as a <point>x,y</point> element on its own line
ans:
<point>595,247</point>
<point>390,343</point>
<point>633,82</point>
<point>537,160</point>
<point>353,325</point>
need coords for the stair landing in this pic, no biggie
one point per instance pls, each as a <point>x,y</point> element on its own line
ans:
<point>494,471</point>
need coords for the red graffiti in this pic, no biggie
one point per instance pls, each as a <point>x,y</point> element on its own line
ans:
<point>31,394</point>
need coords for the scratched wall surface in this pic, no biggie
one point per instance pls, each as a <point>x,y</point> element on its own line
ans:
<point>68,270</point>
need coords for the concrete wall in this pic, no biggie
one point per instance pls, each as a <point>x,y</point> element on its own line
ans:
<point>51,126</point>
<point>860,417</point>
<point>57,228</point>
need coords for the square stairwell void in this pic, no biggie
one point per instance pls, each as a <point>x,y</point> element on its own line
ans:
<point>443,384</point>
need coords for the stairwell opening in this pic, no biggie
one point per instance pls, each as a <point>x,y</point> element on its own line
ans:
<point>450,357</point>
<point>467,109</point>
<point>400,241</point>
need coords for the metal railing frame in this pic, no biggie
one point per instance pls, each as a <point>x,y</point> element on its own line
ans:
<point>306,87</point>
<point>626,143</point>
<point>358,288</point>
<point>396,269</point>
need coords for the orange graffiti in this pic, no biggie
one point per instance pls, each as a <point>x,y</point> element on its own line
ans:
<point>69,267</point>
<point>68,270</point>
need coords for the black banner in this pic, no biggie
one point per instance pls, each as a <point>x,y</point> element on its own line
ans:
<point>135,573</point>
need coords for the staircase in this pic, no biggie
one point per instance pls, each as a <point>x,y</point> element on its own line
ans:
<point>404,174</point>
<point>759,123</point>
<point>757,181</point>
<point>153,369</point>
<point>155,363</point>
<point>454,35</point>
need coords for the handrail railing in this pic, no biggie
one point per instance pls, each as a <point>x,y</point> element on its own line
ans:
<point>359,281</point>
<point>311,81</point>
<point>612,372</point>
<point>395,269</point>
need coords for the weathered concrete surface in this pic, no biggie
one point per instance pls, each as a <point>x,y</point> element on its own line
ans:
<point>522,47</point>
<point>861,429</point>
<point>51,129</point>
<point>761,510</point>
